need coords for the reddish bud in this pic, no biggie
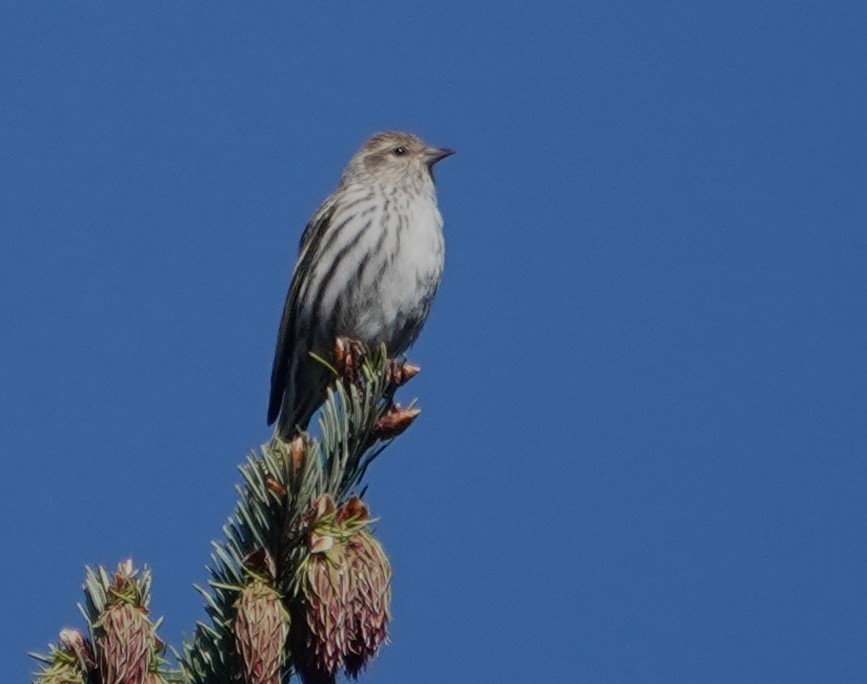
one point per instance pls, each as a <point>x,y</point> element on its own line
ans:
<point>347,353</point>
<point>74,642</point>
<point>400,373</point>
<point>297,448</point>
<point>394,422</point>
<point>275,486</point>
<point>353,510</point>
<point>261,629</point>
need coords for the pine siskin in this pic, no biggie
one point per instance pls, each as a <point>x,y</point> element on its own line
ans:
<point>368,268</point>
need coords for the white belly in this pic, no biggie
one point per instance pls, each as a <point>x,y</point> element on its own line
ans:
<point>392,302</point>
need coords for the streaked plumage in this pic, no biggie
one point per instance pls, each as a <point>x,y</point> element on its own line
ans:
<point>368,267</point>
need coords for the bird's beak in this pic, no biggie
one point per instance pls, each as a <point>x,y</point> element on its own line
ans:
<point>434,154</point>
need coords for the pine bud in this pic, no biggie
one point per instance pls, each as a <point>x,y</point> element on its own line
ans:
<point>342,596</point>
<point>370,599</point>
<point>125,640</point>
<point>347,353</point>
<point>320,640</point>
<point>73,641</point>
<point>70,661</point>
<point>394,422</point>
<point>298,447</point>
<point>401,372</point>
<point>261,624</point>
<point>275,486</point>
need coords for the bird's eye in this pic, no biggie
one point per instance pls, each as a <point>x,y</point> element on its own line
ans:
<point>400,151</point>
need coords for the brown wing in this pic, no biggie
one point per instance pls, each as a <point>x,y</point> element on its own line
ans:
<point>284,351</point>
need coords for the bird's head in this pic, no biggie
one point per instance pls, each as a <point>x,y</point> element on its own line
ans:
<point>394,158</point>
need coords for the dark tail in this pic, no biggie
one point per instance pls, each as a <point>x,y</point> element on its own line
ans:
<point>304,395</point>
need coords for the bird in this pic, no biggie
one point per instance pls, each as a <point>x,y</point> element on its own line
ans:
<point>369,264</point>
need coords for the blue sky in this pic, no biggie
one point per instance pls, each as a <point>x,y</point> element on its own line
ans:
<point>642,452</point>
